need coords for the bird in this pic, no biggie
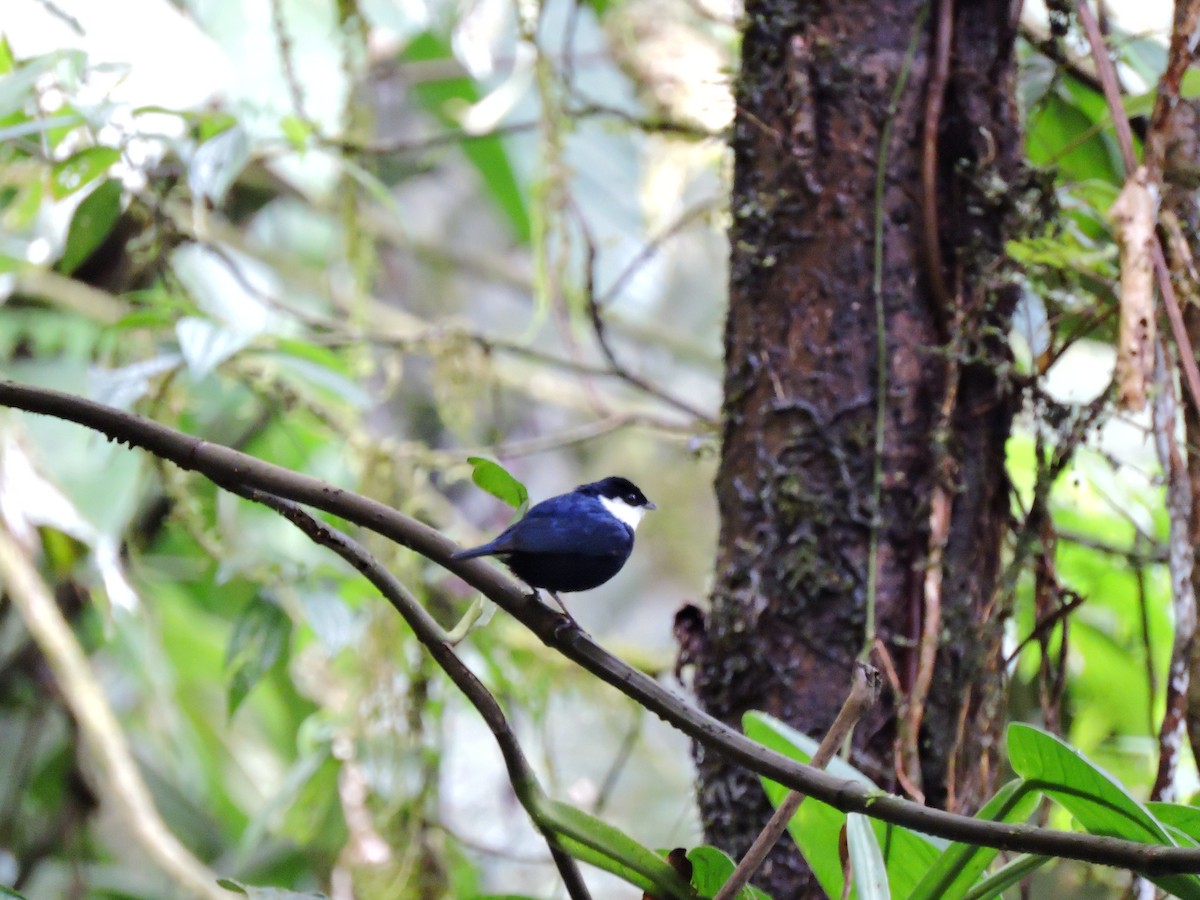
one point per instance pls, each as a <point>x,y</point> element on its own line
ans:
<point>573,542</point>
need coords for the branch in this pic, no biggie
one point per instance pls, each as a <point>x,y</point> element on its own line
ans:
<point>864,691</point>
<point>224,466</point>
<point>117,780</point>
<point>524,783</point>
<point>1112,94</point>
<point>1180,565</point>
<point>600,330</point>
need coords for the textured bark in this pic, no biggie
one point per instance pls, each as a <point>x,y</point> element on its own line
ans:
<point>795,484</point>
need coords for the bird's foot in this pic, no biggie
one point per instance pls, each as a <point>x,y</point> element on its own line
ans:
<point>569,621</point>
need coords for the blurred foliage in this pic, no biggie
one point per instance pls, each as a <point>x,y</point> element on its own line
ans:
<point>368,242</point>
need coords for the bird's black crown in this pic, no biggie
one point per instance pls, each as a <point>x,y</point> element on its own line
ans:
<point>616,488</point>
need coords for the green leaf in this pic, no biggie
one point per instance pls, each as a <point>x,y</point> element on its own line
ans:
<point>496,480</point>
<point>487,154</point>
<point>8,62</point>
<point>1005,877</point>
<point>1096,800</point>
<point>217,163</point>
<point>16,86</point>
<point>260,634</point>
<point>816,828</point>
<point>960,865</point>
<point>1054,137</point>
<point>90,225</point>
<point>9,892</point>
<point>296,130</point>
<point>711,868</point>
<point>866,859</point>
<point>1178,816</point>
<point>595,842</point>
<point>207,125</point>
<point>601,6</point>
<point>81,169</point>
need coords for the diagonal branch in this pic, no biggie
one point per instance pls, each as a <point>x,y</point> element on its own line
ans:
<point>864,691</point>
<point>524,783</point>
<point>225,466</point>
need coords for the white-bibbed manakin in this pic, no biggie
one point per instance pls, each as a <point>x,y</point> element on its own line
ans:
<point>572,542</point>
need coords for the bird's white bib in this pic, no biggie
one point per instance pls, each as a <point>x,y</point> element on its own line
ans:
<point>622,511</point>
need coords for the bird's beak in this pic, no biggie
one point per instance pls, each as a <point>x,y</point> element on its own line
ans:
<point>650,505</point>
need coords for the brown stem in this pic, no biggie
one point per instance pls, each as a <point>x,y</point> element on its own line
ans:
<point>864,691</point>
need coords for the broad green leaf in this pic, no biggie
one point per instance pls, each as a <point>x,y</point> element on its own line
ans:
<point>866,859</point>
<point>816,828</point>
<point>1179,816</point>
<point>81,169</point>
<point>588,839</point>
<point>1101,805</point>
<point>711,868</point>
<point>960,865</point>
<point>497,481</point>
<point>1054,139</point>
<point>487,154</point>
<point>90,225</point>
<point>1096,800</point>
<point>260,635</point>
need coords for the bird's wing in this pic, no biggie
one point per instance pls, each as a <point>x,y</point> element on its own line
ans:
<point>566,524</point>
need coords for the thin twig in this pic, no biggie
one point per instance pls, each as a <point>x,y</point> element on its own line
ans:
<point>601,333</point>
<point>283,44</point>
<point>1045,623</point>
<point>864,691</point>
<point>433,638</point>
<point>223,465</point>
<point>609,782</point>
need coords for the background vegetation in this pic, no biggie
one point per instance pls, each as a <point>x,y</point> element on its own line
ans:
<point>367,241</point>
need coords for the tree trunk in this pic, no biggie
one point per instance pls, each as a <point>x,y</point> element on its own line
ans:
<point>797,485</point>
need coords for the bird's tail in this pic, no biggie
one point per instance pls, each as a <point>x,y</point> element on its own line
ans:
<point>473,552</point>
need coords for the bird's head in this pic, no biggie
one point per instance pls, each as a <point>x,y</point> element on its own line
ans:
<point>621,497</point>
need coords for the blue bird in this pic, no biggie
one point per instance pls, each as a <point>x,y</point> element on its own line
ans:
<point>572,542</point>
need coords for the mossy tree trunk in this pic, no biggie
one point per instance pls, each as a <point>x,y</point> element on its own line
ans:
<point>797,485</point>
